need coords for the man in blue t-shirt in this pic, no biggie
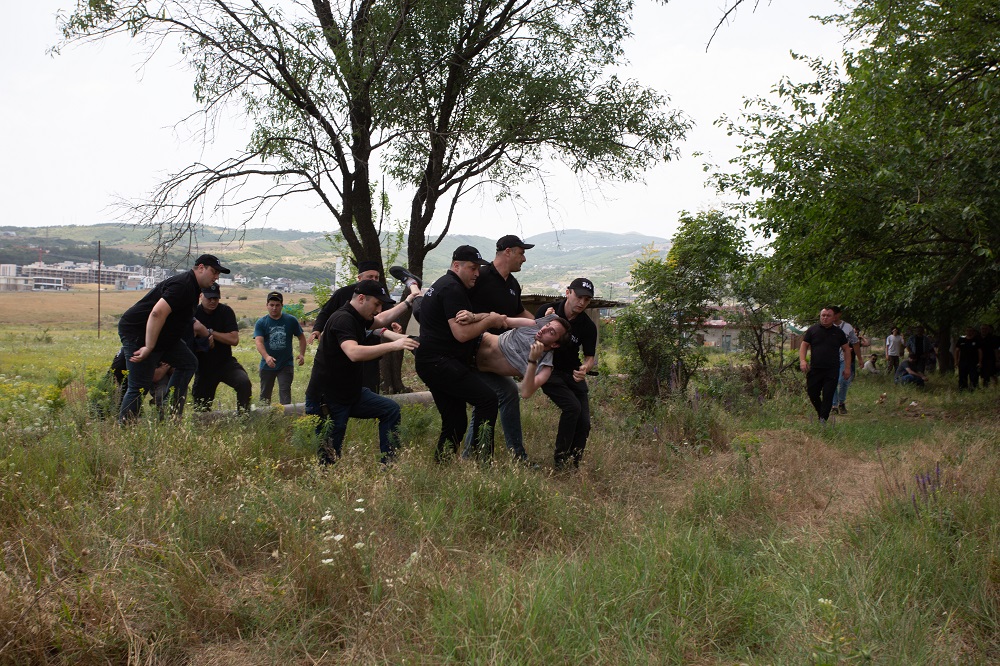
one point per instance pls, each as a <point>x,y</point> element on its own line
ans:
<point>272,334</point>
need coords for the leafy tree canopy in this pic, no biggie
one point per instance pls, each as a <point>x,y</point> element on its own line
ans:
<point>879,184</point>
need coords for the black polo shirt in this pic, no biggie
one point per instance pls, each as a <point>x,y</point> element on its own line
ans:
<point>582,336</point>
<point>223,320</point>
<point>824,346</point>
<point>493,293</point>
<point>442,302</point>
<point>335,377</point>
<point>181,293</point>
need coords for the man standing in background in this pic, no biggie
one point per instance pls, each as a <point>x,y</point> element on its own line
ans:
<point>273,335</point>
<point>848,360</point>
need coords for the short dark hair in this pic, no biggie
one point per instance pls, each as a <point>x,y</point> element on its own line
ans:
<point>567,329</point>
<point>836,309</point>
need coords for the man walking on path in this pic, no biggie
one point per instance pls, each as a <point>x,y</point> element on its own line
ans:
<point>220,332</point>
<point>273,334</point>
<point>827,343</point>
<point>157,328</point>
<point>497,290</point>
<point>848,360</point>
<point>446,351</point>
<point>567,386</point>
<point>337,374</point>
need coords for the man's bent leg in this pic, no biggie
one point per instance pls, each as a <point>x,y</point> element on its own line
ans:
<point>203,391</point>
<point>185,365</point>
<point>582,431</point>
<point>234,376</point>
<point>374,406</point>
<point>139,382</point>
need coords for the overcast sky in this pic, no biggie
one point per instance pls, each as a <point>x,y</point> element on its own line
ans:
<point>97,121</point>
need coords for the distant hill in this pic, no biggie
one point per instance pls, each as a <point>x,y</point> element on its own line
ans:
<point>557,258</point>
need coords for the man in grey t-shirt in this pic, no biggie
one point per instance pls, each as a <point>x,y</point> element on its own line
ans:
<point>524,352</point>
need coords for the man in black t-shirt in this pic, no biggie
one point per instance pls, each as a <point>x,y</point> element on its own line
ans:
<point>214,342</point>
<point>367,270</point>
<point>337,375</point>
<point>445,356</point>
<point>497,290</point>
<point>825,342</point>
<point>156,328</point>
<point>567,386</point>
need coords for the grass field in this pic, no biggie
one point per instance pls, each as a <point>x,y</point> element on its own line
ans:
<point>716,530</point>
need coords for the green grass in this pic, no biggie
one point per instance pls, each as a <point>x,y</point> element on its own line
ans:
<point>715,529</point>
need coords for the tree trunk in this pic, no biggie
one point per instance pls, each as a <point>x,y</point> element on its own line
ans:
<point>945,358</point>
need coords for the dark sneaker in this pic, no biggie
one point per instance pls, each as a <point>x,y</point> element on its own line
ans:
<point>404,276</point>
<point>842,409</point>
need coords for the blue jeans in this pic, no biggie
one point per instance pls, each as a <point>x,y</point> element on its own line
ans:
<point>840,397</point>
<point>509,398</point>
<point>140,376</point>
<point>369,405</point>
<point>284,375</point>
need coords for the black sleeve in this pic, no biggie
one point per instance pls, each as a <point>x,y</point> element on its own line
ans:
<point>540,312</point>
<point>328,309</point>
<point>228,323</point>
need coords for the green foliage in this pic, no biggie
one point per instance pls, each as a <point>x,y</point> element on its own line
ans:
<point>657,333</point>
<point>879,182</point>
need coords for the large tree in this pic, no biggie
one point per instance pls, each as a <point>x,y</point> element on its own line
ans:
<point>879,184</point>
<point>443,94</point>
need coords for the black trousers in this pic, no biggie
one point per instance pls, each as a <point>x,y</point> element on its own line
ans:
<point>454,384</point>
<point>573,398</point>
<point>821,387</point>
<point>230,373</point>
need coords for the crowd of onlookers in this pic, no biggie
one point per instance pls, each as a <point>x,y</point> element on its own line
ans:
<point>830,352</point>
<point>911,359</point>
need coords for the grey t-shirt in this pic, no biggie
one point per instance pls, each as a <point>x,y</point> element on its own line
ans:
<point>516,343</point>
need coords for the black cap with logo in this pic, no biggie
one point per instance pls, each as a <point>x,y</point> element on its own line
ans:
<point>582,287</point>
<point>373,288</point>
<point>468,253</point>
<point>211,261</point>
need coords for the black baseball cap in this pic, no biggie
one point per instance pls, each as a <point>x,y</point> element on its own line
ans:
<point>582,287</point>
<point>211,261</point>
<point>511,240</point>
<point>373,288</point>
<point>276,296</point>
<point>212,292</point>
<point>468,253</point>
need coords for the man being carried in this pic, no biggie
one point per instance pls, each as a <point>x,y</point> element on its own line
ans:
<point>567,387</point>
<point>156,330</point>
<point>214,341</point>
<point>337,375</point>
<point>524,352</point>
<point>827,343</point>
